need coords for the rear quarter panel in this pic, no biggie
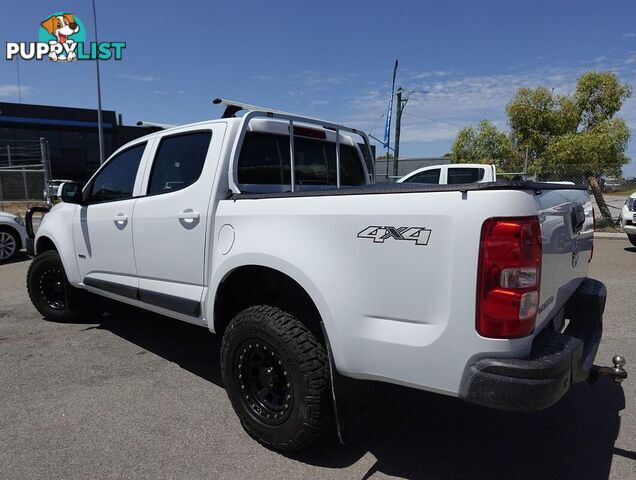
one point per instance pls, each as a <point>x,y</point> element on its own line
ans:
<point>393,310</point>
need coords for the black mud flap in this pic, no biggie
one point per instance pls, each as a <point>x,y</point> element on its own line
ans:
<point>78,299</point>
<point>353,400</point>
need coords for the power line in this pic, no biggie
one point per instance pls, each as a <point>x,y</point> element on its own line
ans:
<point>434,121</point>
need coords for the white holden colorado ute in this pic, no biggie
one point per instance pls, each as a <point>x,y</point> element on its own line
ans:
<point>268,229</point>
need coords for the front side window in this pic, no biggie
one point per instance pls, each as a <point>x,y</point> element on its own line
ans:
<point>178,162</point>
<point>427,176</point>
<point>464,175</point>
<point>117,179</point>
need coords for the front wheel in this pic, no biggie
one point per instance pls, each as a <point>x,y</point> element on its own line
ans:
<point>47,284</point>
<point>632,238</point>
<point>276,374</point>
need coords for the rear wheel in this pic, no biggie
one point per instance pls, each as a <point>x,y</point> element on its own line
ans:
<point>47,284</point>
<point>9,244</point>
<point>276,375</point>
<point>632,238</point>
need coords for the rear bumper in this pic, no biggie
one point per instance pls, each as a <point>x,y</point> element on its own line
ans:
<point>556,361</point>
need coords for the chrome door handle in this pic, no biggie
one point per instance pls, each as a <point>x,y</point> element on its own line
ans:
<point>120,218</point>
<point>188,215</point>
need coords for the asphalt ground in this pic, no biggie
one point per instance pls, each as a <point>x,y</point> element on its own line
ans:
<point>135,395</point>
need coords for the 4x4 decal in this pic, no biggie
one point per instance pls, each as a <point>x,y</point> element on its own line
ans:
<point>379,234</point>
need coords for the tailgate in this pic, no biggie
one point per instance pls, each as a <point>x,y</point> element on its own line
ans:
<point>567,234</point>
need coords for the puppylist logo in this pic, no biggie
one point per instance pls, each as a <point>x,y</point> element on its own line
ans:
<point>62,37</point>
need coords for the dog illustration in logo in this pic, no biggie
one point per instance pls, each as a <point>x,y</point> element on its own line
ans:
<point>61,27</point>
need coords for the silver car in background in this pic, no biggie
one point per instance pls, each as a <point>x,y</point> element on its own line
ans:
<point>12,236</point>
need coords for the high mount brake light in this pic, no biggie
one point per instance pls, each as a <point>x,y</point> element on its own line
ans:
<point>509,277</point>
<point>309,132</point>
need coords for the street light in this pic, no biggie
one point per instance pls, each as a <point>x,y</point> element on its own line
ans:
<point>100,131</point>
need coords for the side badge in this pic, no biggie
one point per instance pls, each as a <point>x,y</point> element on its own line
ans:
<point>419,235</point>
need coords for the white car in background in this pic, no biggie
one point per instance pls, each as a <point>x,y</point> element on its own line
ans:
<point>628,218</point>
<point>12,236</point>
<point>452,174</point>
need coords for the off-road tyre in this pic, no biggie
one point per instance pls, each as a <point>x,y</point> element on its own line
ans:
<point>47,284</point>
<point>266,347</point>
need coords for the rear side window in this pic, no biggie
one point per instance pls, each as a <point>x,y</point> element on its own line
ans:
<point>464,175</point>
<point>427,176</point>
<point>264,160</point>
<point>117,179</point>
<point>178,161</point>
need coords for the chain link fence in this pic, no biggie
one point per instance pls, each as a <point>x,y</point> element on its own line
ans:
<point>24,174</point>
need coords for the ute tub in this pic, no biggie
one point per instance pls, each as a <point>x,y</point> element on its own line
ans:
<point>557,360</point>
<point>384,188</point>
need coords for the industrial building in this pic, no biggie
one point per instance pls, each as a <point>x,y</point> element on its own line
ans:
<point>71,134</point>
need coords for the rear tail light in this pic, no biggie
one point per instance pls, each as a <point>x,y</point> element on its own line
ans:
<point>509,277</point>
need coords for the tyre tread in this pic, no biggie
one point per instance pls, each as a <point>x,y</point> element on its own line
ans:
<point>312,362</point>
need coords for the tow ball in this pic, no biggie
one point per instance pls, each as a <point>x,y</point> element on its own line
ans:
<point>617,372</point>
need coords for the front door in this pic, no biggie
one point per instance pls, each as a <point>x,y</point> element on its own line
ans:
<point>171,219</point>
<point>102,230</point>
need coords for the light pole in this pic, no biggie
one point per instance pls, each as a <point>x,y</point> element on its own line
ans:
<point>100,131</point>
<point>17,66</point>
<point>401,103</point>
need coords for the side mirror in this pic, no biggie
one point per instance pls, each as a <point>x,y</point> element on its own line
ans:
<point>70,192</point>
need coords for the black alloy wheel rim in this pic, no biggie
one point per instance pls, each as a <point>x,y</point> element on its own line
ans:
<point>264,381</point>
<point>52,288</point>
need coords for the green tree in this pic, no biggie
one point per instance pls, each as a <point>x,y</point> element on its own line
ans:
<point>598,97</point>
<point>574,135</point>
<point>590,152</point>
<point>536,116</point>
<point>484,144</point>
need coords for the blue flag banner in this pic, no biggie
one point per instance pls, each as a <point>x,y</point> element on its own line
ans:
<point>389,113</point>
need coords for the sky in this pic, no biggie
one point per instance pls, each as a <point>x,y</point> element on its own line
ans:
<point>330,59</point>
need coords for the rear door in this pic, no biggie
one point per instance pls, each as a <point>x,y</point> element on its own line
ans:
<point>171,219</point>
<point>102,230</point>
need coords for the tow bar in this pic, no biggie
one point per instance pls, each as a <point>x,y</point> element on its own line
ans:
<point>617,372</point>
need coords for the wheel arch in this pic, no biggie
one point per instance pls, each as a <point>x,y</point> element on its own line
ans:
<point>46,241</point>
<point>44,244</point>
<point>262,283</point>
